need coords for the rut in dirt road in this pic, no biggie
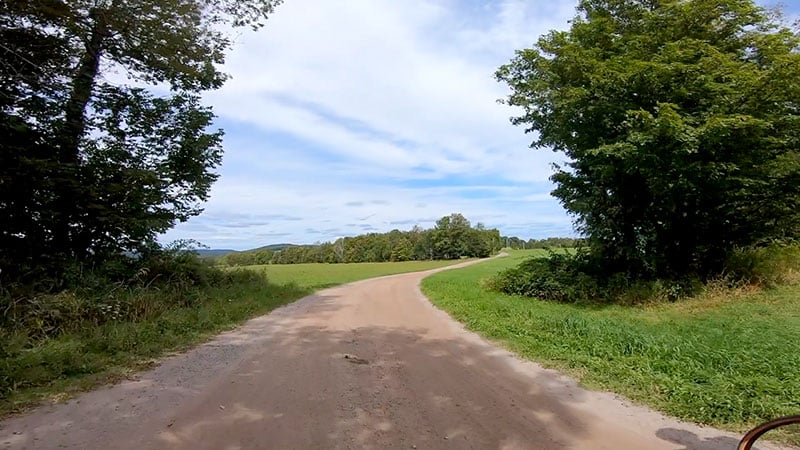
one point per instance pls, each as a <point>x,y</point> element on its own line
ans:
<point>368,365</point>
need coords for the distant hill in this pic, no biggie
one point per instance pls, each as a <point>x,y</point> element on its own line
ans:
<point>214,252</point>
<point>274,247</point>
<point>218,252</point>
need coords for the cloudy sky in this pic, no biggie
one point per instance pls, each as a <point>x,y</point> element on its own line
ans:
<point>353,116</point>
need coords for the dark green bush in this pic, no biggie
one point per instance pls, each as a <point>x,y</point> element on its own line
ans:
<point>128,288</point>
<point>557,278</point>
<point>580,278</point>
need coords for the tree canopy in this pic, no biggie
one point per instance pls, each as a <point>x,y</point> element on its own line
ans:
<point>90,168</point>
<point>680,120</point>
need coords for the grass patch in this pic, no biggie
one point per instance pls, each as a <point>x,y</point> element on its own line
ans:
<point>728,358</point>
<point>102,338</point>
<point>319,276</point>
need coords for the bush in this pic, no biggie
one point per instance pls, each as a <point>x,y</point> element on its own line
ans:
<point>128,288</point>
<point>118,313</point>
<point>557,278</point>
<point>581,278</point>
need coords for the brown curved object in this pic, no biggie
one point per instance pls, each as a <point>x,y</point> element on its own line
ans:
<point>752,436</point>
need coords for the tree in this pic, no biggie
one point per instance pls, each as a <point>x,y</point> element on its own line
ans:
<point>90,169</point>
<point>450,237</point>
<point>402,251</point>
<point>681,122</point>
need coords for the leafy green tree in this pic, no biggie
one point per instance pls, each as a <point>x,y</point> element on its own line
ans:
<point>402,251</point>
<point>421,242</point>
<point>88,169</point>
<point>681,122</point>
<point>450,237</point>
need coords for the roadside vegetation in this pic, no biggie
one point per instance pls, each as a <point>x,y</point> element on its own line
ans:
<point>726,357</point>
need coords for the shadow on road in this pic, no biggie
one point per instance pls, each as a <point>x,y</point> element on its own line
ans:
<point>405,389</point>
<point>691,441</point>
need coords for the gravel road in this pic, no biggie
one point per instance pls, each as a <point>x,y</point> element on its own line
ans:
<point>369,365</point>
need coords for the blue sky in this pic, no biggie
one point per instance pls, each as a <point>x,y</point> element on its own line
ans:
<point>355,116</point>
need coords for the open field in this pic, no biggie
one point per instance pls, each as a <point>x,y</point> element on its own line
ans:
<point>32,370</point>
<point>320,276</point>
<point>728,359</point>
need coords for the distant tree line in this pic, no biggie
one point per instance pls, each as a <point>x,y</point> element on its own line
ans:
<point>453,237</point>
<point>551,242</point>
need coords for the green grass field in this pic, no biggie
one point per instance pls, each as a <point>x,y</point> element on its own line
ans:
<point>320,276</point>
<point>728,359</point>
<point>56,368</point>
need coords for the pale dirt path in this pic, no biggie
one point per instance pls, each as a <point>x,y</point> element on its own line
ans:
<point>282,382</point>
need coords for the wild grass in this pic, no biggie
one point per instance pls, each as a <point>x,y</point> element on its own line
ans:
<point>35,368</point>
<point>728,357</point>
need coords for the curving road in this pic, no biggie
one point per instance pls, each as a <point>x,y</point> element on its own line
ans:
<point>369,365</point>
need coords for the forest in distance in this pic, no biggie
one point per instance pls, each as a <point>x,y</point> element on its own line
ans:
<point>452,237</point>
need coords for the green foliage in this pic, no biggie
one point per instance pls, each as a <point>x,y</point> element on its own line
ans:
<point>765,266</point>
<point>120,290</point>
<point>452,238</point>
<point>89,170</point>
<point>574,278</point>
<point>680,121</point>
<point>516,243</point>
<point>248,258</point>
<point>556,278</point>
<point>108,336</point>
<point>725,358</point>
<point>45,337</point>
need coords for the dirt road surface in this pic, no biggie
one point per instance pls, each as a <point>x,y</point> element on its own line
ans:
<point>369,365</point>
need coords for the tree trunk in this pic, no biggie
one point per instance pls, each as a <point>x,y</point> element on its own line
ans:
<point>82,85</point>
<point>70,192</point>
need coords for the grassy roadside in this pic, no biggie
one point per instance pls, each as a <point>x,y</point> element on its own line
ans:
<point>728,359</point>
<point>85,356</point>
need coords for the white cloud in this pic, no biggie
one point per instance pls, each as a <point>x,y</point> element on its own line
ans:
<point>381,94</point>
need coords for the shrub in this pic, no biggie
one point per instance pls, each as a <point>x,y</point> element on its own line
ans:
<point>127,288</point>
<point>581,278</point>
<point>555,278</point>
